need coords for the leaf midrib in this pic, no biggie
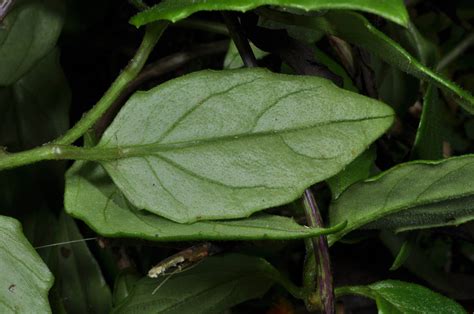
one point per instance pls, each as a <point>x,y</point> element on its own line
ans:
<point>139,150</point>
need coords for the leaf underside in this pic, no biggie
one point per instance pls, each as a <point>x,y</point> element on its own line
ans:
<point>356,29</point>
<point>414,195</point>
<point>393,296</point>
<point>225,144</point>
<point>27,34</point>
<point>92,197</point>
<point>175,10</point>
<point>25,279</point>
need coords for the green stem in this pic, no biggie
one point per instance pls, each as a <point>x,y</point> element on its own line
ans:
<point>456,52</point>
<point>294,290</point>
<point>354,290</point>
<point>152,34</point>
<point>56,152</point>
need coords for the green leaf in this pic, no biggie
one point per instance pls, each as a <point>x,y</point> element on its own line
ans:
<point>335,68</point>
<point>393,296</point>
<point>225,144</point>
<point>27,34</point>
<point>123,285</point>
<point>459,286</point>
<point>233,60</point>
<point>409,196</point>
<point>403,253</point>
<point>25,278</point>
<point>92,197</point>
<point>429,136</point>
<point>355,29</point>
<point>214,285</point>
<point>80,283</point>
<point>356,171</point>
<point>175,10</point>
<point>35,109</point>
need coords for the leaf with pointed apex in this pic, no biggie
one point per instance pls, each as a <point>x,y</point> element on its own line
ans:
<point>175,10</point>
<point>92,197</point>
<point>393,297</point>
<point>225,144</point>
<point>414,195</point>
<point>356,29</point>
<point>25,278</point>
<point>233,60</point>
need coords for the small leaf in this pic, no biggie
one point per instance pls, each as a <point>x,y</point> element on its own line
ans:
<point>174,10</point>
<point>92,197</point>
<point>25,279</point>
<point>225,144</point>
<point>393,296</point>
<point>213,286</point>
<point>335,68</point>
<point>123,285</point>
<point>233,60</point>
<point>459,286</point>
<point>403,253</point>
<point>429,136</point>
<point>356,171</point>
<point>355,29</point>
<point>413,195</point>
<point>27,34</point>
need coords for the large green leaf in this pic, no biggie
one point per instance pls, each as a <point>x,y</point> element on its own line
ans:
<point>35,109</point>
<point>175,10</point>
<point>79,286</point>
<point>225,144</point>
<point>27,34</point>
<point>25,278</point>
<point>414,195</point>
<point>92,197</point>
<point>354,28</point>
<point>80,283</point>
<point>213,286</point>
<point>393,297</point>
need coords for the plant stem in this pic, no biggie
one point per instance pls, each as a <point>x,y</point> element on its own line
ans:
<point>152,34</point>
<point>241,42</point>
<point>354,290</point>
<point>56,152</point>
<point>5,7</point>
<point>320,249</point>
<point>156,69</point>
<point>456,52</point>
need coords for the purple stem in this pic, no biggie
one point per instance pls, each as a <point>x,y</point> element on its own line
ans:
<point>5,6</point>
<point>321,253</point>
